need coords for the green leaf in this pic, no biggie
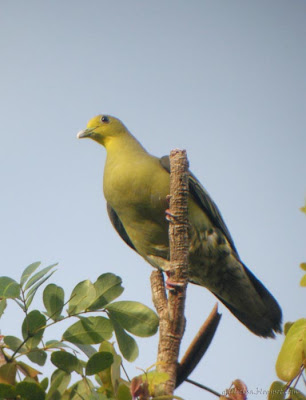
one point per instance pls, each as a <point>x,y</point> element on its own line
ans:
<point>98,362</point>
<point>107,346</point>
<point>98,396</point>
<point>81,297</point>
<point>104,378</point>
<point>108,287</point>
<point>66,362</point>
<point>59,382</point>
<point>134,317</point>
<point>8,373</point>
<point>115,371</point>
<point>277,391</point>
<point>28,272</point>
<point>38,276</point>
<point>81,390</point>
<point>7,391</point>
<point>303,266</point>
<point>14,343</point>
<point>303,281</point>
<point>152,380</point>
<point>27,370</point>
<point>9,288</point>
<point>126,343</point>
<point>53,298</point>
<point>44,383</point>
<point>155,378</point>
<point>86,349</point>
<point>3,305</point>
<point>123,392</point>
<point>55,344</point>
<point>30,391</point>
<point>31,293</point>
<point>291,356</point>
<point>296,394</point>
<point>33,326</point>
<point>303,209</point>
<point>38,357</point>
<point>90,330</point>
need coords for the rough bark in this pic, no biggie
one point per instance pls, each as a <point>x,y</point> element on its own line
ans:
<point>171,309</point>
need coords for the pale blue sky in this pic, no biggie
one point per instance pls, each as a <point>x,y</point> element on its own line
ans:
<point>224,79</point>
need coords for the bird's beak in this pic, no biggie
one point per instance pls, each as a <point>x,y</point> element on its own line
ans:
<point>85,133</point>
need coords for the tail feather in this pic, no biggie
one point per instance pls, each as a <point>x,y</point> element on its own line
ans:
<point>269,321</point>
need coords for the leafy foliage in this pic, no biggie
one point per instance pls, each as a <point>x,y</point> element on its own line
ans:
<point>100,319</point>
<point>86,303</point>
<point>292,354</point>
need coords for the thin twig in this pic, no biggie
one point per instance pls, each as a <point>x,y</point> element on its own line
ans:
<point>125,372</point>
<point>203,387</point>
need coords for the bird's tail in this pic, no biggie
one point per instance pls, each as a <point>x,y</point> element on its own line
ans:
<point>266,320</point>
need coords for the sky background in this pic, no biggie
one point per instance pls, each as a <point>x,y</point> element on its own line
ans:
<point>224,80</point>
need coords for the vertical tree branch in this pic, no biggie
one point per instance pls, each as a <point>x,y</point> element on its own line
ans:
<point>171,310</point>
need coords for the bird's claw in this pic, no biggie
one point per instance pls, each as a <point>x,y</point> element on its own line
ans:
<point>169,216</point>
<point>172,285</point>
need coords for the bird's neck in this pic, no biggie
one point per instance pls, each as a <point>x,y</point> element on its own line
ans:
<point>124,159</point>
<point>118,147</point>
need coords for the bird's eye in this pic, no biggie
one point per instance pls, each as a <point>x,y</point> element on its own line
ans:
<point>105,119</point>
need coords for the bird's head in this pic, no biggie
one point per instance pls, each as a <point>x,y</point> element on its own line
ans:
<point>102,129</point>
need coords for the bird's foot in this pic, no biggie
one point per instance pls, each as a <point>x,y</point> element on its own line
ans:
<point>172,285</point>
<point>169,216</point>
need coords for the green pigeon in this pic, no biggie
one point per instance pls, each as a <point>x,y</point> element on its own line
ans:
<point>136,185</point>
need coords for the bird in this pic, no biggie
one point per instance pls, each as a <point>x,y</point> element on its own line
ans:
<point>136,186</point>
